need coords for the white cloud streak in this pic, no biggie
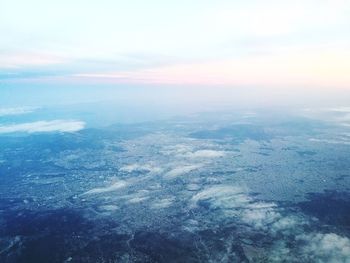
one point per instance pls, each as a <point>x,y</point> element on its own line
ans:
<point>44,126</point>
<point>16,111</point>
<point>181,170</point>
<point>116,186</point>
<point>140,167</point>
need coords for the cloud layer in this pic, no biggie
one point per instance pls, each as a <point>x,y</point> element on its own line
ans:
<point>16,111</point>
<point>44,126</point>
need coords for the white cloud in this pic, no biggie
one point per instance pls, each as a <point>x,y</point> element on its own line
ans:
<point>15,60</point>
<point>44,126</point>
<point>163,203</point>
<point>328,247</point>
<point>260,218</point>
<point>188,151</point>
<point>205,154</point>
<point>117,185</point>
<point>259,215</point>
<point>287,224</point>
<point>268,217</point>
<point>16,111</point>
<point>136,200</point>
<point>176,149</point>
<point>140,167</point>
<point>181,170</point>
<point>137,197</point>
<point>226,197</point>
<point>340,109</point>
<point>336,115</point>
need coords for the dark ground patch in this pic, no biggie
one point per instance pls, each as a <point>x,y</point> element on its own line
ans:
<point>330,207</point>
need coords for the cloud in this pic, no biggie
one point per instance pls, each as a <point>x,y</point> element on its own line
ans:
<point>279,225</point>
<point>181,170</point>
<point>136,197</point>
<point>163,203</point>
<point>176,149</point>
<point>44,126</point>
<point>16,111</point>
<point>223,196</point>
<point>188,151</point>
<point>260,218</point>
<point>313,67</point>
<point>235,201</point>
<point>140,167</point>
<point>117,185</point>
<point>205,154</point>
<point>21,59</point>
<point>328,247</point>
<point>340,109</point>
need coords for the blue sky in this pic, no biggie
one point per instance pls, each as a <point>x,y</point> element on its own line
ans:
<point>231,43</point>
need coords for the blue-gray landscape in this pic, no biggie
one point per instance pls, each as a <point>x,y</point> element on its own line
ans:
<point>243,186</point>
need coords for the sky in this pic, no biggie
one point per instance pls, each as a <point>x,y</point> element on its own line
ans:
<point>301,43</point>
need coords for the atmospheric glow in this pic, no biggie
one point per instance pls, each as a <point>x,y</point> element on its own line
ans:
<point>301,43</point>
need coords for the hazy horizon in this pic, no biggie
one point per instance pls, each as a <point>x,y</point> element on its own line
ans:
<point>174,131</point>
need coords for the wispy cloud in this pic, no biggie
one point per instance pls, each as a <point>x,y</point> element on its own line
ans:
<point>13,60</point>
<point>44,126</point>
<point>181,170</point>
<point>16,111</point>
<point>115,186</point>
<point>204,154</point>
<point>307,67</point>
<point>140,167</point>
